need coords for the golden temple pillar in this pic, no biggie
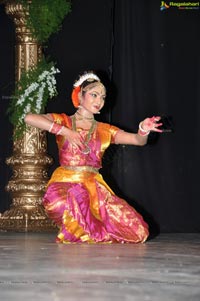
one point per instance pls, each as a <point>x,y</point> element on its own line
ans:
<point>29,160</point>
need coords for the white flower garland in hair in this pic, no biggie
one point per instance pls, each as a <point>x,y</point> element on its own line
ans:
<point>84,77</point>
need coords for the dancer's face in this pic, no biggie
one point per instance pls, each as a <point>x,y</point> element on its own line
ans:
<point>93,99</point>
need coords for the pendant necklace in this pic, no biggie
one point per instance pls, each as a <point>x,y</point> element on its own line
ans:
<point>86,149</point>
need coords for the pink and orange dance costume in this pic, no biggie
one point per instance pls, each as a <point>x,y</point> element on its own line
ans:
<point>79,201</point>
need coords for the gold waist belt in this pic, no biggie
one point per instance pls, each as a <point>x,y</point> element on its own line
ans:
<point>81,168</point>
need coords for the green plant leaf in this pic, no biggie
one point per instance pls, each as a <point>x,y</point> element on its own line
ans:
<point>45,17</point>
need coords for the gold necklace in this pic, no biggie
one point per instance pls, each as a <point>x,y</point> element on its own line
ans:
<point>86,150</point>
<point>84,117</point>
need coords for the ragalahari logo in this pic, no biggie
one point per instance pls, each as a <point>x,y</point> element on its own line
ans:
<point>164,5</point>
<point>179,5</point>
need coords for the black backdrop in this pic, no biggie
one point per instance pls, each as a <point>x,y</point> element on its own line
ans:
<point>152,60</point>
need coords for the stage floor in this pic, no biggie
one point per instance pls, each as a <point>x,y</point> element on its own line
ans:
<point>33,267</point>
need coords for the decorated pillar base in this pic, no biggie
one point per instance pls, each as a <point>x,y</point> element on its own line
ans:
<point>24,219</point>
<point>28,184</point>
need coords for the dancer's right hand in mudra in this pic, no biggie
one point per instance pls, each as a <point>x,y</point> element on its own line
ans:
<point>73,137</point>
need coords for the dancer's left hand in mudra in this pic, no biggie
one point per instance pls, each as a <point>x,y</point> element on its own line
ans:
<point>151,124</point>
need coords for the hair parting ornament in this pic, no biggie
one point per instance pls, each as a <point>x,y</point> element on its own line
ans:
<point>88,76</point>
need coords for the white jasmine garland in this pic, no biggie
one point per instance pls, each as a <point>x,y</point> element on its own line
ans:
<point>26,110</point>
<point>32,92</point>
<point>40,98</point>
<point>46,81</point>
<point>27,92</point>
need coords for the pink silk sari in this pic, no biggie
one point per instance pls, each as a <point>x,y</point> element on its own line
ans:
<point>80,202</point>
